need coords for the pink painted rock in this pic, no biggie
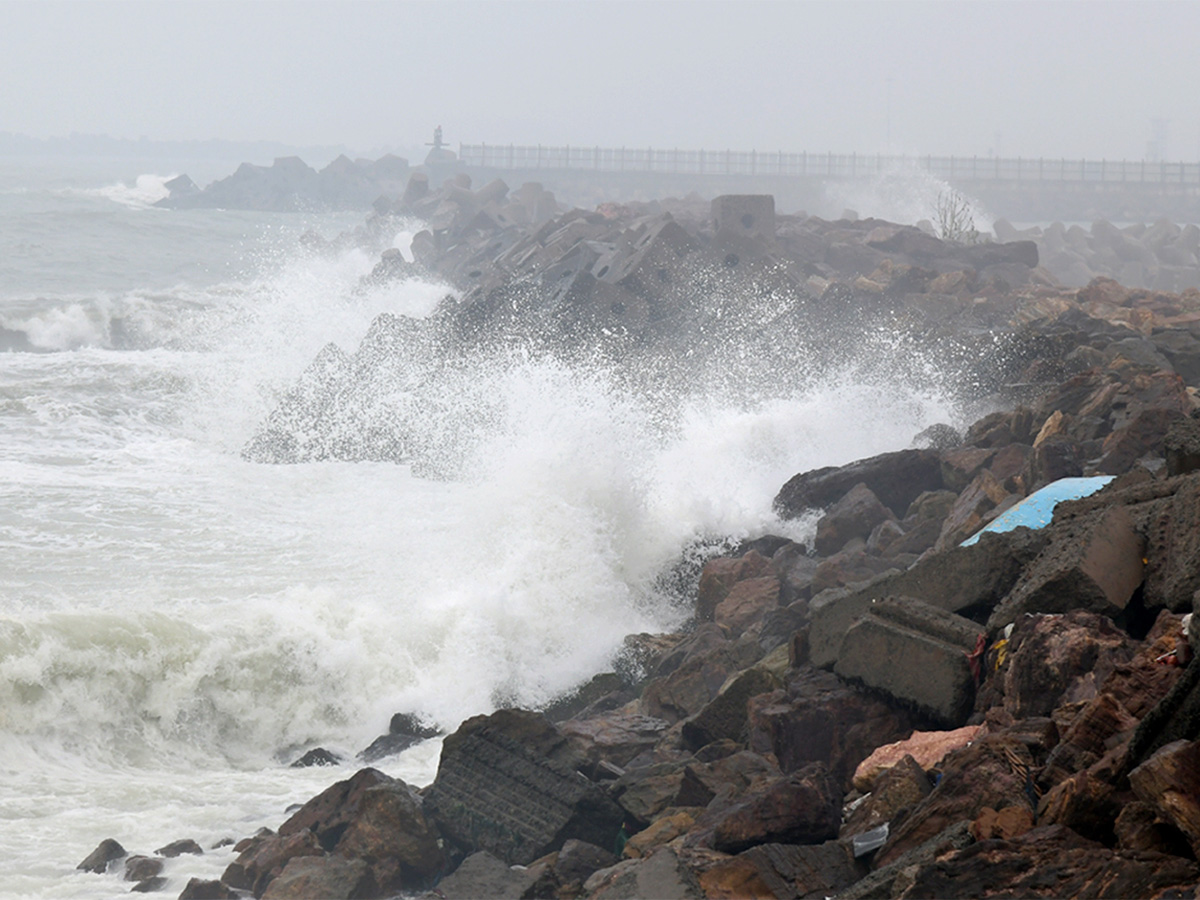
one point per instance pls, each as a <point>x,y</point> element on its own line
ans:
<point>926,747</point>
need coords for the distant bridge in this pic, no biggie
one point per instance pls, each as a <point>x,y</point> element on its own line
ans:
<point>1018,171</point>
<point>1026,189</point>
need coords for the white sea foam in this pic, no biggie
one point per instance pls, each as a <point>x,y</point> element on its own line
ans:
<point>178,622</point>
<point>143,193</point>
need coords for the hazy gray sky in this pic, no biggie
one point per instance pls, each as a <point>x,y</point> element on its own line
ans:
<point>1054,79</point>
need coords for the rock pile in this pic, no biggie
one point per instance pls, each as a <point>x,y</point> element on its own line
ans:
<point>883,711</point>
<point>670,297</point>
<point>1160,257</point>
<point>290,185</point>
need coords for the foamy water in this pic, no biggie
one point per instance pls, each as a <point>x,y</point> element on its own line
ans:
<point>176,624</point>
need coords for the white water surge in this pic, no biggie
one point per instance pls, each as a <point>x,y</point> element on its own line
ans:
<point>177,624</point>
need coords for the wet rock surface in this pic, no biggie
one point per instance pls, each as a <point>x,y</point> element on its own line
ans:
<point>732,762</point>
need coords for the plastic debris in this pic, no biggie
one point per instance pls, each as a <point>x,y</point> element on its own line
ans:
<point>870,840</point>
<point>1036,510</point>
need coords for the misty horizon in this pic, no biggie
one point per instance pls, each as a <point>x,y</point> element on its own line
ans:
<point>1096,80</point>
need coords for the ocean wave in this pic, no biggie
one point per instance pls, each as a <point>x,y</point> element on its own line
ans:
<point>145,191</point>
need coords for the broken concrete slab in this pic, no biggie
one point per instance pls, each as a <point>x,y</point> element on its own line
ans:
<point>915,653</point>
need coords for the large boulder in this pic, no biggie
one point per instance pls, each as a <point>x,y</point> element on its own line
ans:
<point>328,877</point>
<point>915,653</point>
<point>392,835</point>
<point>1094,562</point>
<point>895,478</point>
<point>498,794</point>
<point>819,718</point>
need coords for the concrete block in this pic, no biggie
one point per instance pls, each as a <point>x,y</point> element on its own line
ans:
<point>915,653</point>
<point>1093,562</point>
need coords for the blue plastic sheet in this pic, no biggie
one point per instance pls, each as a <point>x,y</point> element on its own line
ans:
<point>1036,510</point>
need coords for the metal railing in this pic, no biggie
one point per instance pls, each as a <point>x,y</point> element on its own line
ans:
<point>827,165</point>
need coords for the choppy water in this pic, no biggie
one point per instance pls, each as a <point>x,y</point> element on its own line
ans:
<point>176,623</point>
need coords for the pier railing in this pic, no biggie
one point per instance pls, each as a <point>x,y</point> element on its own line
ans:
<point>1017,170</point>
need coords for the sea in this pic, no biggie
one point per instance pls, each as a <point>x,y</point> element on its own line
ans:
<point>177,624</point>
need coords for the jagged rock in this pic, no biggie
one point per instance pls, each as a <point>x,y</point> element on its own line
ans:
<point>899,787</point>
<point>926,748</point>
<point>725,715</point>
<point>317,756</point>
<point>1082,803</point>
<point>1182,446</point>
<point>257,865</point>
<point>691,686</point>
<point>1140,829</point>
<point>895,478</point>
<point>747,603</point>
<point>483,875</point>
<point>404,730</point>
<point>819,718</point>
<point>1094,732</point>
<point>391,834</point>
<point>719,576</point>
<point>784,871</point>
<point>1170,781</point>
<point>663,830</point>
<point>664,876</point>
<point>964,580</point>
<point>142,868</point>
<point>327,877</point>
<point>1092,562</point>
<point>615,737</point>
<point>914,653</point>
<point>1057,659</point>
<point>207,889</point>
<point>992,772</point>
<point>329,814</point>
<point>496,794</point>
<point>106,851</point>
<point>577,860</point>
<point>1173,547</point>
<point>1004,824</point>
<point>855,515</point>
<point>890,880</point>
<point>180,847</point>
<point>1049,861</point>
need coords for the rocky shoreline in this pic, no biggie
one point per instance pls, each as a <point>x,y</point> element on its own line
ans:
<point>882,711</point>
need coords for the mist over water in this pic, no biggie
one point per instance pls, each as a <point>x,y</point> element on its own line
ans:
<point>178,623</point>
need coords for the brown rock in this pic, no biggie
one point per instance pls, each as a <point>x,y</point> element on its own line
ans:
<point>142,868</point>
<point>1141,829</point>
<point>895,478</point>
<point>719,576</point>
<point>853,516</point>
<point>661,831</point>
<point>613,737</point>
<point>724,718</point>
<point>329,813</point>
<point>994,771</point>
<point>1003,825</point>
<point>801,808</point>
<point>1051,862</point>
<point>256,866</point>
<point>966,517</point>
<point>1093,733</point>
<point>926,748</point>
<point>783,870</point>
<point>746,604</point>
<point>106,851</point>
<point>327,877</point>
<point>391,834</point>
<point>820,719</point>
<point>900,787</point>
<point>1170,781</point>
<point>1082,803</point>
<point>201,889</point>
<point>1057,659</point>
